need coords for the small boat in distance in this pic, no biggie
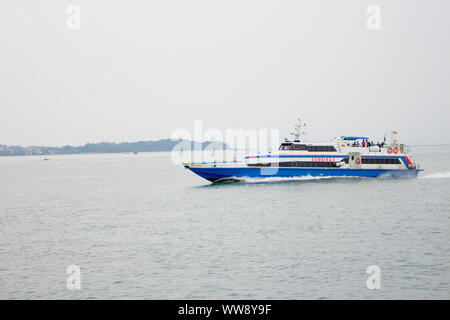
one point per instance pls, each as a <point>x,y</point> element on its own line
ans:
<point>344,156</point>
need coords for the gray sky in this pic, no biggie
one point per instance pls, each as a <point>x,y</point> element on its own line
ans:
<point>137,70</point>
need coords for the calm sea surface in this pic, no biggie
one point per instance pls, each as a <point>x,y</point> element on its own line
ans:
<point>140,227</point>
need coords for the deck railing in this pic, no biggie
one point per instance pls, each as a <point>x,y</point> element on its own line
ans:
<point>405,149</point>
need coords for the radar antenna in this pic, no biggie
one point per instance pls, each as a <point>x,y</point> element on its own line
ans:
<point>298,130</point>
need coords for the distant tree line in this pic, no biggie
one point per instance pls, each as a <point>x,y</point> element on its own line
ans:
<point>105,147</point>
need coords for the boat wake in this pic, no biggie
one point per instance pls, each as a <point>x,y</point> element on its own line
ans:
<point>439,175</point>
<point>281,179</point>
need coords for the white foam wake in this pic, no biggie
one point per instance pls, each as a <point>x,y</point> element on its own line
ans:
<point>439,175</point>
<point>281,179</point>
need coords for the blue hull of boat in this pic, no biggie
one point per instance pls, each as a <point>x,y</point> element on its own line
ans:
<point>221,174</point>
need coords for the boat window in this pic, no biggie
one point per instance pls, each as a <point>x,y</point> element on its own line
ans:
<point>321,149</point>
<point>285,146</point>
<point>381,161</point>
<point>290,146</point>
<point>300,147</point>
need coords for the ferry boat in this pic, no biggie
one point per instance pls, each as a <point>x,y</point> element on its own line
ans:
<point>343,156</point>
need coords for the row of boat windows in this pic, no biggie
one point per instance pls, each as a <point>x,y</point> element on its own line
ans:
<point>316,164</point>
<point>290,146</point>
<point>378,161</point>
<point>298,164</point>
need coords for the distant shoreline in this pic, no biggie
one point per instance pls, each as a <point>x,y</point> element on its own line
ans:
<point>162,145</point>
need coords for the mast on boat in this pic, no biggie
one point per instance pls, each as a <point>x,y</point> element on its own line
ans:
<point>298,130</point>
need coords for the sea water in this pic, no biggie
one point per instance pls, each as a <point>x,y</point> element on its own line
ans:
<point>139,227</point>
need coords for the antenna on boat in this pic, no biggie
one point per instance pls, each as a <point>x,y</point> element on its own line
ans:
<point>298,130</point>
